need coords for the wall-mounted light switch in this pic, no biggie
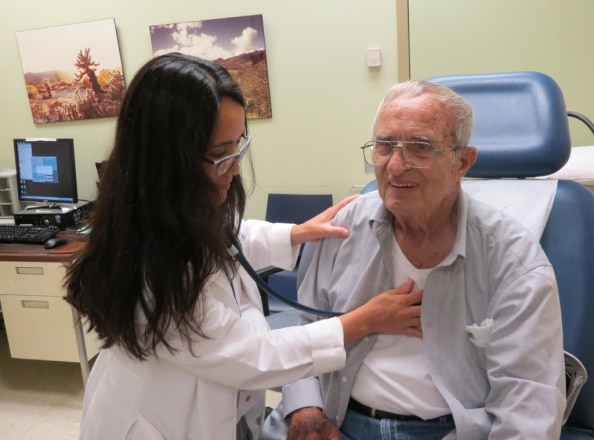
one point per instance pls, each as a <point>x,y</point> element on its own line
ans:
<point>374,57</point>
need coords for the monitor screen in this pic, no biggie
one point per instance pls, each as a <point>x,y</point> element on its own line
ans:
<point>46,170</point>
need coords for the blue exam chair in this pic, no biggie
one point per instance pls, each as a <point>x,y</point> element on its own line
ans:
<point>521,131</point>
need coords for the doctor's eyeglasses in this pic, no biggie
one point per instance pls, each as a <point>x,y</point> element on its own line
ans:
<point>224,164</point>
<point>416,154</point>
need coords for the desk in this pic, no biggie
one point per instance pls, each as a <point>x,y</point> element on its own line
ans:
<point>39,323</point>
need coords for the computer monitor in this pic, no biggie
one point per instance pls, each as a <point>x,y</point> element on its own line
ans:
<point>46,170</point>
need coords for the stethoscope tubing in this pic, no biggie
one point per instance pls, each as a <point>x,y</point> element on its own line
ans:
<point>236,253</point>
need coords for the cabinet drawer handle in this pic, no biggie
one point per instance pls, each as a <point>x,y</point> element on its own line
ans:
<point>31,304</point>
<point>23,270</point>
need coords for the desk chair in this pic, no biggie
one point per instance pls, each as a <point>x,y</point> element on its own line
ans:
<point>288,208</point>
<point>289,316</point>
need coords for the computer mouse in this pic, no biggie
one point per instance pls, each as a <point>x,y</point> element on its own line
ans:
<point>54,242</point>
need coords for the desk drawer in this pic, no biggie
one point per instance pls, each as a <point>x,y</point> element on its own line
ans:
<point>42,327</point>
<point>32,278</point>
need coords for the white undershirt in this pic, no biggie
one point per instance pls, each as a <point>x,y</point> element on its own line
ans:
<point>394,376</point>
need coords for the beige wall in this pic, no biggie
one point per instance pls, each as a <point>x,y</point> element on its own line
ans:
<point>469,36</point>
<point>323,94</point>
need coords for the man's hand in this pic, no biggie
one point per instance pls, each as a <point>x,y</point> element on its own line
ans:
<point>396,312</point>
<point>311,424</point>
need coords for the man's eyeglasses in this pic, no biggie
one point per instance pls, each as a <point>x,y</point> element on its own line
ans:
<point>416,154</point>
<point>224,164</point>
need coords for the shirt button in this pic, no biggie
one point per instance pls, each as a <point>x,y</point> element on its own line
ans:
<point>366,339</point>
<point>343,379</point>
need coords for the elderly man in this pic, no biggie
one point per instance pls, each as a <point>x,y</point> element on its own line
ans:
<point>490,360</point>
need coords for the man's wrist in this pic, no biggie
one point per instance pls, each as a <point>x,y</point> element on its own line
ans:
<point>304,412</point>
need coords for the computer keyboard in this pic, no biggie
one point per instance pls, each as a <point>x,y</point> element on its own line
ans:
<point>27,233</point>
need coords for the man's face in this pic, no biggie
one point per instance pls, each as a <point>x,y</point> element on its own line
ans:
<point>420,193</point>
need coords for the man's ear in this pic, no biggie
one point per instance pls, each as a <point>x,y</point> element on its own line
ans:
<point>468,157</point>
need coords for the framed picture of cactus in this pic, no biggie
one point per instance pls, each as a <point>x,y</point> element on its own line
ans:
<point>72,72</point>
<point>236,43</point>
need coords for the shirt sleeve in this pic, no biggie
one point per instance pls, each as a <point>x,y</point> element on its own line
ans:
<point>525,359</point>
<point>268,244</point>
<point>241,354</point>
<point>313,293</point>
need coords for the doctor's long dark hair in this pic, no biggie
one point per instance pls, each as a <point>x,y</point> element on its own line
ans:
<point>156,224</point>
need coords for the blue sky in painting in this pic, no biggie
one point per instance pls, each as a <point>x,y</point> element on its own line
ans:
<point>210,39</point>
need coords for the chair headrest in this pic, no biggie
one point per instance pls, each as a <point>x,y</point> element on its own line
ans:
<point>520,123</point>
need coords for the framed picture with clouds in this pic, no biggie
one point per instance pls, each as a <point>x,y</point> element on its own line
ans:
<point>236,43</point>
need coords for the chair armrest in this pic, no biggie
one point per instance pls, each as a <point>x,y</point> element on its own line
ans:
<point>267,271</point>
<point>575,377</point>
<point>264,273</point>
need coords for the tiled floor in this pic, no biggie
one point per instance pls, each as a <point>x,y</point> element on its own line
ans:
<point>42,399</point>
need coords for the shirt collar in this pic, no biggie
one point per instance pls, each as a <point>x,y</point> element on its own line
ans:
<point>380,222</point>
<point>459,248</point>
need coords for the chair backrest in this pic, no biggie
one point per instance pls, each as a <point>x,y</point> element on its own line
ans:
<point>371,186</point>
<point>521,130</point>
<point>295,208</point>
<point>520,123</point>
<point>290,208</point>
<point>568,240</point>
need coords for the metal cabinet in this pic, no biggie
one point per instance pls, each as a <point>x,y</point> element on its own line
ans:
<point>40,324</point>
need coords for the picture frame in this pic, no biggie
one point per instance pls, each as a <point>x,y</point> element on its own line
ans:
<point>72,72</point>
<point>236,43</point>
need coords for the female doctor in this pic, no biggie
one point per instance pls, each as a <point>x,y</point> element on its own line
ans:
<point>181,323</point>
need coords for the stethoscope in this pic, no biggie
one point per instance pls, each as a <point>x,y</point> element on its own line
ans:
<point>234,250</point>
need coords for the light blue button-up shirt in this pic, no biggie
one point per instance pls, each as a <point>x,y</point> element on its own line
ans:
<point>491,320</point>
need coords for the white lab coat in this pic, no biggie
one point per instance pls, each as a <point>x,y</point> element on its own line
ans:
<point>180,396</point>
